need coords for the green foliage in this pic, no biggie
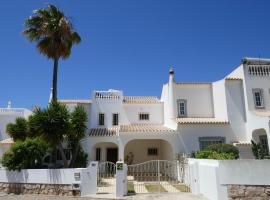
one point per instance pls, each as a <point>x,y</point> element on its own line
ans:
<point>224,148</point>
<point>52,31</point>
<point>26,154</point>
<point>206,154</point>
<point>55,125</point>
<point>18,130</point>
<point>52,123</point>
<point>81,159</point>
<point>78,120</point>
<point>257,150</point>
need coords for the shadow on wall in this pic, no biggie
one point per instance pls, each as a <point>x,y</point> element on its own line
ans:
<point>55,175</point>
<point>17,177</point>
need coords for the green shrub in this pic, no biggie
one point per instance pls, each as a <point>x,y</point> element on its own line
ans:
<point>81,159</point>
<point>206,154</point>
<point>224,148</point>
<point>25,155</point>
<point>18,130</point>
<point>257,150</point>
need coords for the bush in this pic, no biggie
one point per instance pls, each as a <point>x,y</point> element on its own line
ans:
<point>25,155</point>
<point>206,154</point>
<point>81,159</point>
<point>257,150</point>
<point>224,148</point>
<point>18,130</point>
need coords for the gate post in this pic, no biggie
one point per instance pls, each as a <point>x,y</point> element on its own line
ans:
<point>121,179</point>
<point>89,179</point>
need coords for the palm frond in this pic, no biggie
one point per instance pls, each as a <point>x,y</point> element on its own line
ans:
<point>53,32</point>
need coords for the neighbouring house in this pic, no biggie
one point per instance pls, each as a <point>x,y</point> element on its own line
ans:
<point>9,115</point>
<point>188,117</point>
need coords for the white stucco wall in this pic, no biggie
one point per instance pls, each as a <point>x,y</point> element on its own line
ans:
<point>45,176</point>
<point>199,99</point>
<point>252,82</point>
<point>211,177</point>
<point>219,102</point>
<point>128,113</point>
<point>155,113</point>
<point>190,134</point>
<point>140,154</point>
<point>236,108</point>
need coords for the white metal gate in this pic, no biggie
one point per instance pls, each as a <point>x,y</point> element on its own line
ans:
<point>106,182</point>
<point>157,176</point>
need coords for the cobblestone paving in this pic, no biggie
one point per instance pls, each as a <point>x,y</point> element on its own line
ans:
<point>178,196</point>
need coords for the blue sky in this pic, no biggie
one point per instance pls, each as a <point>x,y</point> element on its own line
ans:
<point>130,45</point>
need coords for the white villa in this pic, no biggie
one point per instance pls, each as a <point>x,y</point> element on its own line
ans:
<point>187,117</point>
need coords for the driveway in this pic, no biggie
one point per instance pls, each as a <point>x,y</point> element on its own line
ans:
<point>167,196</point>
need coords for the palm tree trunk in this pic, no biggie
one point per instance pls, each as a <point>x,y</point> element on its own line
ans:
<point>63,155</point>
<point>74,155</point>
<point>54,83</point>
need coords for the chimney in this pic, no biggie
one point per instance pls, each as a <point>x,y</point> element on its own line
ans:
<point>171,77</point>
<point>171,100</point>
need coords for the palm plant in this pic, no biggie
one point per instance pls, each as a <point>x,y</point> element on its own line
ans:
<point>54,34</point>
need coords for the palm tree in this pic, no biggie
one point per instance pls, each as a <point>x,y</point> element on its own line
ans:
<point>54,34</point>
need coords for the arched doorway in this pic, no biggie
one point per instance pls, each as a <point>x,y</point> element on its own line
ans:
<point>105,151</point>
<point>141,150</point>
<point>260,136</point>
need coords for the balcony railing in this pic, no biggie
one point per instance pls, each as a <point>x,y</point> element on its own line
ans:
<point>11,110</point>
<point>107,94</point>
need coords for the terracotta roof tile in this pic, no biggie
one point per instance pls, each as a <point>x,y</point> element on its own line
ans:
<point>233,79</point>
<point>261,113</point>
<point>242,144</point>
<point>200,121</point>
<point>142,128</point>
<point>103,131</point>
<point>193,83</point>
<point>145,128</point>
<point>141,99</point>
<point>7,141</point>
<point>71,101</point>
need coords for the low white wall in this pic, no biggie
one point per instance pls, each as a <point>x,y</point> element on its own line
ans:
<point>204,179</point>
<point>211,177</point>
<point>42,176</point>
<point>244,172</point>
<point>85,177</point>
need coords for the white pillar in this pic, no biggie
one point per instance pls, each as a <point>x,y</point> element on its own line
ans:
<point>89,179</point>
<point>121,179</point>
<point>121,149</point>
<point>171,95</point>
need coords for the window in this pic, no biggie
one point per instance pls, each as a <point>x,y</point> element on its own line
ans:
<point>115,119</point>
<point>264,143</point>
<point>182,107</point>
<point>258,98</point>
<point>206,141</point>
<point>144,116</point>
<point>98,153</point>
<point>152,151</point>
<point>101,119</point>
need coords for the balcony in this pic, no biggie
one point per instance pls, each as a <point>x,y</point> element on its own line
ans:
<point>110,94</point>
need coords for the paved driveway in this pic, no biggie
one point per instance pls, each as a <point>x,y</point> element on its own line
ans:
<point>168,196</point>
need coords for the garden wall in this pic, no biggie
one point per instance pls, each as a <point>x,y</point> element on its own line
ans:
<point>230,179</point>
<point>68,182</point>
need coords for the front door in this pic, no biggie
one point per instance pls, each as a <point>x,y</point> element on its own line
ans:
<point>112,154</point>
